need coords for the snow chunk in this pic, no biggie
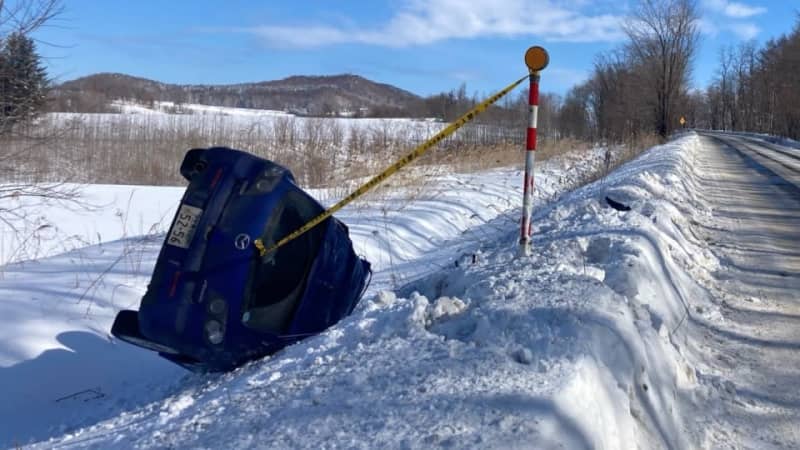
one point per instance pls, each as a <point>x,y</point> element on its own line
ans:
<point>446,306</point>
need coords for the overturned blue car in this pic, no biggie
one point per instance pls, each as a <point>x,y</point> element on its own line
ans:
<point>214,302</point>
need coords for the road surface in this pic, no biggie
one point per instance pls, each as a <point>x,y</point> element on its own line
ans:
<point>751,372</point>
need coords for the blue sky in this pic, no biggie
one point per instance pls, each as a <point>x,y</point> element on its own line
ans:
<point>422,46</point>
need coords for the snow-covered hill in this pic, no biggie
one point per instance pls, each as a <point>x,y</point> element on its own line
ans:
<point>459,343</point>
<point>315,95</point>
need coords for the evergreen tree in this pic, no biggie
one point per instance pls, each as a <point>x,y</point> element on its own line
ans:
<point>23,81</point>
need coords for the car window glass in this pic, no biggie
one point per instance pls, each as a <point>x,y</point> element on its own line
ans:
<point>280,279</point>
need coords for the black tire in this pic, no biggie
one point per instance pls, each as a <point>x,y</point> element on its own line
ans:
<point>126,328</point>
<point>193,163</point>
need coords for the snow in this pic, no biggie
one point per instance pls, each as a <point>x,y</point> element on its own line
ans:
<point>459,342</point>
<point>748,358</point>
<point>103,214</point>
<point>59,302</point>
<point>159,107</point>
<point>786,143</point>
<point>134,119</point>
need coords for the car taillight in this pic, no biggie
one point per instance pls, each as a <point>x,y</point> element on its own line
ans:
<point>217,307</point>
<point>217,317</point>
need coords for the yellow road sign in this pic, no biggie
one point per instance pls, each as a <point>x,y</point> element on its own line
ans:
<point>683,121</point>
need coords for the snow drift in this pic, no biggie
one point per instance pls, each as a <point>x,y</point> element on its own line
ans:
<point>579,346</point>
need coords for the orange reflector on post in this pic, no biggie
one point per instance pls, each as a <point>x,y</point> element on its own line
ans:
<point>536,58</point>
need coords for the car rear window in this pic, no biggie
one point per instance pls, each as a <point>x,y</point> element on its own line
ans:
<point>279,279</point>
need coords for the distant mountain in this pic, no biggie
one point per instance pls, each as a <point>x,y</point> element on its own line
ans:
<point>306,95</point>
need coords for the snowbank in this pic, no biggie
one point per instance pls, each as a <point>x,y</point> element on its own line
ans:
<point>462,343</point>
<point>59,303</point>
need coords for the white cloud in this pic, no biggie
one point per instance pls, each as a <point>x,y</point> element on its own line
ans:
<point>707,27</point>
<point>733,21</point>
<point>734,9</point>
<point>306,36</point>
<point>745,31</point>
<point>740,10</point>
<point>420,22</point>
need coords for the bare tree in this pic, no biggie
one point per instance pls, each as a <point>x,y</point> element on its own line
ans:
<point>26,16</point>
<point>574,117</point>
<point>664,37</point>
<point>23,83</point>
<point>725,94</point>
<point>758,90</point>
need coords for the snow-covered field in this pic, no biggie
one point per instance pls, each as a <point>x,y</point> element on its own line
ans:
<point>160,108</point>
<point>137,120</point>
<point>458,343</point>
<point>144,144</point>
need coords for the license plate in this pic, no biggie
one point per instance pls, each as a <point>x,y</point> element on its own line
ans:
<point>185,226</point>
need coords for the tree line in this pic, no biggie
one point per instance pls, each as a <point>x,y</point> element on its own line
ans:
<point>643,86</point>
<point>636,90</point>
<point>755,89</point>
<point>640,87</point>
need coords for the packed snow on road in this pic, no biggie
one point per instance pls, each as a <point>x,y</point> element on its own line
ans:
<point>459,342</point>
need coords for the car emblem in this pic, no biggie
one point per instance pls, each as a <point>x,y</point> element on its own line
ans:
<point>242,241</point>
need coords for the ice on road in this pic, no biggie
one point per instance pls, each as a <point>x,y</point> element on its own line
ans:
<point>750,356</point>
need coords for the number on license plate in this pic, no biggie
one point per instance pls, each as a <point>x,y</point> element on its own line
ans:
<point>185,226</point>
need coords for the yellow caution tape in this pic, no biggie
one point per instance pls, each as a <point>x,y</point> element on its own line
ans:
<point>402,162</point>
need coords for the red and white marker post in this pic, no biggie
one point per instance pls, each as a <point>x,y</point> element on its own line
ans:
<point>536,58</point>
